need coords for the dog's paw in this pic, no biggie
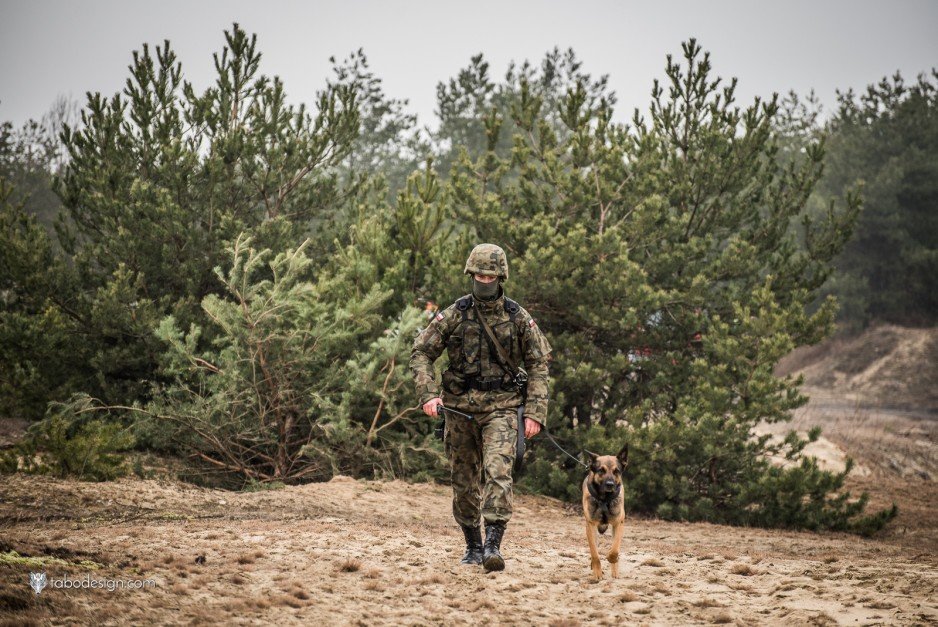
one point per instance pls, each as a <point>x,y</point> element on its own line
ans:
<point>597,570</point>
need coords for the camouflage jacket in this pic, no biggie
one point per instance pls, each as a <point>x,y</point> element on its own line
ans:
<point>462,337</point>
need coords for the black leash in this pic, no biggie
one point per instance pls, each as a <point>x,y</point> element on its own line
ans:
<point>440,408</point>
<point>561,449</point>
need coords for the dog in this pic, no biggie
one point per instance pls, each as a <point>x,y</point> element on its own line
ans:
<point>604,505</point>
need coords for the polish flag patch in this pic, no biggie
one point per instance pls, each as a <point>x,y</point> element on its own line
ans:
<point>531,323</point>
<point>439,316</point>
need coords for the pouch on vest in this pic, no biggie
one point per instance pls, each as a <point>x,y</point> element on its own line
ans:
<point>471,334</point>
<point>454,383</point>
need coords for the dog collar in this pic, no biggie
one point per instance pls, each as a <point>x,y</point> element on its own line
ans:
<point>591,486</point>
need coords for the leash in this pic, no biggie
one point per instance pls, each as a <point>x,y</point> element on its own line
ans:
<point>441,408</point>
<point>561,449</point>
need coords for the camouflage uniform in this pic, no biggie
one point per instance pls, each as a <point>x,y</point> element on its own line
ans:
<point>482,450</point>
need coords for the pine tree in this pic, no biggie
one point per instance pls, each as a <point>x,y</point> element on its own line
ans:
<point>661,262</point>
<point>160,179</point>
<point>887,141</point>
<point>302,377</point>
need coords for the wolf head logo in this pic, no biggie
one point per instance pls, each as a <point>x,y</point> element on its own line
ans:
<point>37,581</point>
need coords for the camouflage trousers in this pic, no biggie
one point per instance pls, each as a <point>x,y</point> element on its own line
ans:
<point>481,452</point>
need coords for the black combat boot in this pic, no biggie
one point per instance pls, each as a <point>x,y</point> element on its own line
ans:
<point>473,545</point>
<point>491,558</point>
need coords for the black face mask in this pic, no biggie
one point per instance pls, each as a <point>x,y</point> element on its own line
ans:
<point>484,291</point>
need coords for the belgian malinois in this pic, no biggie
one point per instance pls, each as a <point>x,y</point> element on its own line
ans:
<point>603,505</point>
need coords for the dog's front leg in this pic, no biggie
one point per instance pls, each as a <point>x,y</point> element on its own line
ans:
<point>594,552</point>
<point>617,530</point>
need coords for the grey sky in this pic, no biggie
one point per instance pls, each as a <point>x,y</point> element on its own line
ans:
<point>69,47</point>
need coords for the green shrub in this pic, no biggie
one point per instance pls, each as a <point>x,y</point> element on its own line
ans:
<point>71,442</point>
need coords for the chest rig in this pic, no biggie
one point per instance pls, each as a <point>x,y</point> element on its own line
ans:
<point>473,361</point>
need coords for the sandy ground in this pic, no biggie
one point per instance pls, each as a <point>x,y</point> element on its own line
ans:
<point>386,553</point>
<point>885,365</point>
<point>374,553</point>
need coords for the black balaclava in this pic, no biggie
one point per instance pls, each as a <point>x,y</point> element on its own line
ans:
<point>485,291</point>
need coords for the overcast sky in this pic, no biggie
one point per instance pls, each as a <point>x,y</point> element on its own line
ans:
<point>48,48</point>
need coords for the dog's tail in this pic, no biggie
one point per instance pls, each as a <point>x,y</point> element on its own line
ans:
<point>602,528</point>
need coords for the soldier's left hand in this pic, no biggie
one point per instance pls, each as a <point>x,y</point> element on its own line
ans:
<point>531,428</point>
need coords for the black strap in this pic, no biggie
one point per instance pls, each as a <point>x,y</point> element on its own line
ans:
<point>463,304</point>
<point>484,386</point>
<point>512,308</point>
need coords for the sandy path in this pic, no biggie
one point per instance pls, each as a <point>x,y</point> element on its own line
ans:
<point>374,553</point>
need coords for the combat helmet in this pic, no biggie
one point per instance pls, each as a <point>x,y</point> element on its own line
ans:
<point>487,260</point>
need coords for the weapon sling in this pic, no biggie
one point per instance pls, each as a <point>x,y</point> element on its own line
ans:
<point>504,359</point>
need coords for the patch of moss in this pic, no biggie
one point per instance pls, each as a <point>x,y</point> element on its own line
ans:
<point>13,558</point>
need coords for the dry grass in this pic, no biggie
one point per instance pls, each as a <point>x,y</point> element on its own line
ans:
<point>651,561</point>
<point>722,618</point>
<point>259,603</point>
<point>236,606</point>
<point>742,569</point>
<point>744,587</point>
<point>881,605</point>
<point>246,559</point>
<point>707,603</point>
<point>349,565</point>
<point>435,578</point>
<point>628,597</point>
<point>286,599</point>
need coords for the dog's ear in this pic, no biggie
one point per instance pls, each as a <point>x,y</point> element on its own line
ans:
<point>591,458</point>
<point>623,456</point>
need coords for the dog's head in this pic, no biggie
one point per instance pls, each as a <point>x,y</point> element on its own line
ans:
<point>606,470</point>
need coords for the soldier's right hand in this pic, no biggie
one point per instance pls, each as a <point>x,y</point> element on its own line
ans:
<point>429,408</point>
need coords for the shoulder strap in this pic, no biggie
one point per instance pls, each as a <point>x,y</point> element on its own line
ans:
<point>503,357</point>
<point>463,304</point>
<point>512,308</point>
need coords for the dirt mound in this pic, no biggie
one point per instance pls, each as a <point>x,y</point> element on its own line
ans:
<point>886,365</point>
<point>385,553</point>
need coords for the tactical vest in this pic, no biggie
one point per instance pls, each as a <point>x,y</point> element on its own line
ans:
<point>473,361</point>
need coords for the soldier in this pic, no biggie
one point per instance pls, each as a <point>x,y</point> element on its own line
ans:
<point>481,451</point>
